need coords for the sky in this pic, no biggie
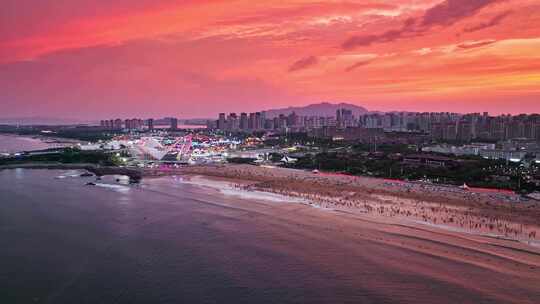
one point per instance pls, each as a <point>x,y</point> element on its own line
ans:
<point>91,59</point>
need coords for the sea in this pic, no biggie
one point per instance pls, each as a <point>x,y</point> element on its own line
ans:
<point>13,143</point>
<point>169,240</point>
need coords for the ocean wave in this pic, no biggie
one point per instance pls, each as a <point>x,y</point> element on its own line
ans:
<point>117,188</point>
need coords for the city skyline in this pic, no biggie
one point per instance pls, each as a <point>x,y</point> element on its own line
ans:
<point>211,117</point>
<point>91,59</point>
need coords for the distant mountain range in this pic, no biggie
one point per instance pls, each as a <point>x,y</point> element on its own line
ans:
<point>46,121</point>
<point>319,109</point>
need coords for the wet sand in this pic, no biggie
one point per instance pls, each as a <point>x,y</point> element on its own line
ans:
<point>442,266</point>
<point>498,214</point>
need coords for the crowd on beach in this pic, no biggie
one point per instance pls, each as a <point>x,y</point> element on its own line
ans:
<point>465,219</point>
<point>501,214</point>
<point>457,192</point>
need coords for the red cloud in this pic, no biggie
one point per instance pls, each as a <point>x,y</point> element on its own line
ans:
<point>357,65</point>
<point>452,11</point>
<point>491,23</point>
<point>475,44</point>
<point>303,63</point>
<point>443,14</point>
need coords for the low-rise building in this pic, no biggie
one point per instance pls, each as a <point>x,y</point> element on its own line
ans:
<point>428,160</point>
<point>352,133</point>
<point>472,149</point>
<point>509,155</point>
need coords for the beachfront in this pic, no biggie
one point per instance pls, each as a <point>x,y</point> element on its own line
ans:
<point>500,214</point>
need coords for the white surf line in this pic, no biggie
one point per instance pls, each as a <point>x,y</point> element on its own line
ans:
<point>533,243</point>
<point>229,189</point>
<point>117,188</point>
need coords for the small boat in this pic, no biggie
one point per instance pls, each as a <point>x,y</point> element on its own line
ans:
<point>90,184</point>
<point>86,174</point>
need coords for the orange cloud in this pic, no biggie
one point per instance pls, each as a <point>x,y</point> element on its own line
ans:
<point>224,55</point>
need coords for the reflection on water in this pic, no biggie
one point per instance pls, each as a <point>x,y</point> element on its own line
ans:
<point>19,173</point>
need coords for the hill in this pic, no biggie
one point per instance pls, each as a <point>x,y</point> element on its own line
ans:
<point>319,109</point>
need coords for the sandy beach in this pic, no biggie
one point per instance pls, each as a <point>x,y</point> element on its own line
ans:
<point>488,213</point>
<point>412,240</point>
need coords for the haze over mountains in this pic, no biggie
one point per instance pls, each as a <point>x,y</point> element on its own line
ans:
<point>318,109</point>
<point>45,121</point>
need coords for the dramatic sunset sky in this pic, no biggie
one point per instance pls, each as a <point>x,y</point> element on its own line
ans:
<point>194,58</point>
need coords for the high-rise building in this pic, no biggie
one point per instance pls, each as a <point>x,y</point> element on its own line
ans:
<point>292,119</point>
<point>130,124</point>
<point>282,122</point>
<point>258,121</point>
<point>221,121</point>
<point>344,118</point>
<point>276,123</point>
<point>232,122</point>
<point>465,131</point>
<point>150,124</point>
<point>251,121</point>
<point>174,123</point>
<point>269,124</point>
<point>243,121</point>
<point>117,124</point>
<point>263,119</point>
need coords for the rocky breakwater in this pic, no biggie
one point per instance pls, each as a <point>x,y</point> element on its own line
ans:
<point>135,175</point>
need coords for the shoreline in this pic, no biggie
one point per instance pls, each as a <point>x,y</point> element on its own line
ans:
<point>369,252</point>
<point>46,138</point>
<point>484,214</point>
<point>487,214</point>
<point>262,194</point>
